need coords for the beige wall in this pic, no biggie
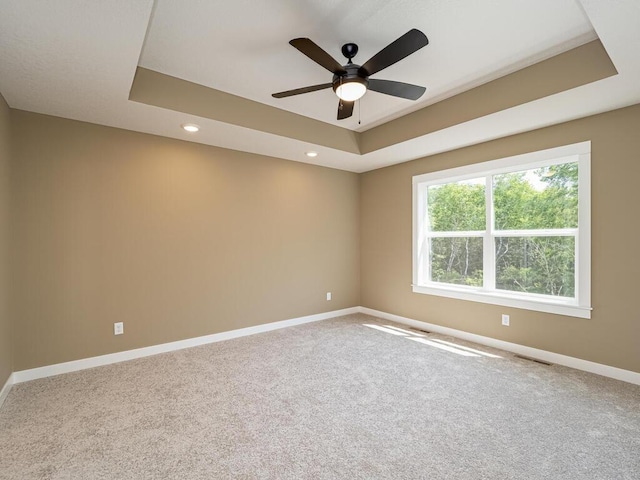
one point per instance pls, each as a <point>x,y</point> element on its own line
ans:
<point>5,324</point>
<point>611,336</point>
<point>174,238</point>
<point>179,240</point>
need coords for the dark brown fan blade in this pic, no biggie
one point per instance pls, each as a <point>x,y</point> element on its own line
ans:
<point>318,55</point>
<point>345,109</point>
<point>397,89</point>
<point>404,46</point>
<point>298,91</point>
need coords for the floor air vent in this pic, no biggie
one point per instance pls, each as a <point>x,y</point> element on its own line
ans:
<point>542,362</point>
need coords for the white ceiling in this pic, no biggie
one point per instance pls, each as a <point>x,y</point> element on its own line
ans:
<point>76,59</point>
<point>216,44</point>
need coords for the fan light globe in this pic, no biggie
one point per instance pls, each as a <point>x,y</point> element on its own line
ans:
<point>351,91</point>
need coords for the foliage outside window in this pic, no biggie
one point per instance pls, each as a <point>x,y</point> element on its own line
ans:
<point>513,232</point>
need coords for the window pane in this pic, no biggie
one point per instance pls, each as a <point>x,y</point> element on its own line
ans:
<point>455,207</point>
<point>457,260</point>
<point>540,198</point>
<point>542,265</point>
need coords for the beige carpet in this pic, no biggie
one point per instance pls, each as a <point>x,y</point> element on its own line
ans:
<point>328,400</point>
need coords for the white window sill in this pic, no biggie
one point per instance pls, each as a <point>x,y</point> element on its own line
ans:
<point>558,307</point>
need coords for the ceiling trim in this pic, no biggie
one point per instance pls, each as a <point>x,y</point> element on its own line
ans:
<point>566,71</point>
<point>579,66</point>
<point>160,90</point>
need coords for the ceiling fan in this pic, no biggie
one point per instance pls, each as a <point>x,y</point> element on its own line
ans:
<point>350,82</point>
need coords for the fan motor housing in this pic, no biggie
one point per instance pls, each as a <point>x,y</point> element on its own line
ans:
<point>352,75</point>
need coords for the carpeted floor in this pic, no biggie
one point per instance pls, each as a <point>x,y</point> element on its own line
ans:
<point>328,400</point>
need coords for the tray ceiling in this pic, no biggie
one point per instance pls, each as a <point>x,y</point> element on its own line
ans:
<point>78,60</point>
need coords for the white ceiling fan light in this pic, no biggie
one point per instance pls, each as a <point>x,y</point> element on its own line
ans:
<point>351,91</point>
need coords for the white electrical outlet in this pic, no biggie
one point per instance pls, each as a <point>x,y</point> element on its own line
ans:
<point>118,328</point>
<point>505,320</point>
<point>328,296</point>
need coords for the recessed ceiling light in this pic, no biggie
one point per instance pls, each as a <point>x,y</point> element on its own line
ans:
<point>311,154</point>
<point>190,127</point>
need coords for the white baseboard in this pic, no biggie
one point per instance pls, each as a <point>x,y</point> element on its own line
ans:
<point>577,363</point>
<point>73,366</point>
<point>67,367</point>
<point>7,387</point>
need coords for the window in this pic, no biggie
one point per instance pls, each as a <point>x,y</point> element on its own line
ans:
<point>513,232</point>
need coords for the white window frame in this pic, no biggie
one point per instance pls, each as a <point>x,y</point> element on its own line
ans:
<point>580,306</point>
